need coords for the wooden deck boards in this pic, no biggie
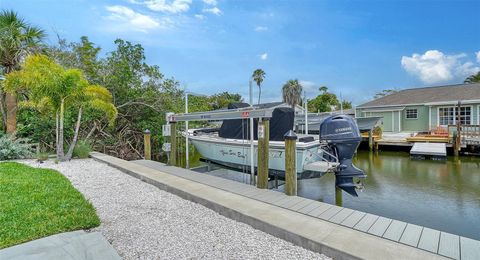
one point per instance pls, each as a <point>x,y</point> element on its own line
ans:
<point>442,243</point>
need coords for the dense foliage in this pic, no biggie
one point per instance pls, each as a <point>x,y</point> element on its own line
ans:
<point>51,90</point>
<point>327,102</point>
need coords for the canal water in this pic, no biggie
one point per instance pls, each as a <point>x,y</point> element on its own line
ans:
<point>440,195</point>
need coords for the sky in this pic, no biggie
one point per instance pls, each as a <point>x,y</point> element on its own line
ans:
<point>355,48</point>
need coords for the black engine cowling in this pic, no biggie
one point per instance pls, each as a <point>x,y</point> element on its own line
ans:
<point>342,136</point>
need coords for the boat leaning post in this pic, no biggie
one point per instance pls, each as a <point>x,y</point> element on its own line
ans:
<point>146,145</point>
<point>263,153</point>
<point>290,163</point>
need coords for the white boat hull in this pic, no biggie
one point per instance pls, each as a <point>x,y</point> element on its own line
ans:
<point>236,153</point>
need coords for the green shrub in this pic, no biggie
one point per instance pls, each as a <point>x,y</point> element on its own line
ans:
<point>82,149</point>
<point>42,156</point>
<point>15,148</point>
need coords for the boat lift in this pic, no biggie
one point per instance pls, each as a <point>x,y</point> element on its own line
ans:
<point>218,115</point>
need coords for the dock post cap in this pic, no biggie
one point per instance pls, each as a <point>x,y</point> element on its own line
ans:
<point>146,131</point>
<point>290,135</point>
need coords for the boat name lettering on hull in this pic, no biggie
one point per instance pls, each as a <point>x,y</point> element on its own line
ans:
<point>272,154</point>
<point>232,153</point>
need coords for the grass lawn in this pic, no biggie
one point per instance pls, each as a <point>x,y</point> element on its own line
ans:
<point>35,203</point>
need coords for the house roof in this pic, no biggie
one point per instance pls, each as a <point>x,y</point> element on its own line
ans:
<point>450,93</point>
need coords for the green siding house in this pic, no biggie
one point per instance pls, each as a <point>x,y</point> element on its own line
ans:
<point>421,109</point>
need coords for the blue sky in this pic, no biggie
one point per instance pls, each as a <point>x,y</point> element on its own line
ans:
<point>355,48</point>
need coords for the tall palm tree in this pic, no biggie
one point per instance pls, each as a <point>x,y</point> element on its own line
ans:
<point>17,40</point>
<point>292,92</point>
<point>258,76</point>
<point>475,78</point>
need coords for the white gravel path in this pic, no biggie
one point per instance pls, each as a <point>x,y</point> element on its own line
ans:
<point>144,222</point>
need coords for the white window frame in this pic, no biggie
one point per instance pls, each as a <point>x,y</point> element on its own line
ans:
<point>454,114</point>
<point>406,113</point>
<point>471,114</point>
<point>478,114</point>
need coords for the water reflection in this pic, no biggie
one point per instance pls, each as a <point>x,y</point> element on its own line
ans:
<point>441,195</point>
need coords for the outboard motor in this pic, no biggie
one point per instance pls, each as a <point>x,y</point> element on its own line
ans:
<point>342,136</point>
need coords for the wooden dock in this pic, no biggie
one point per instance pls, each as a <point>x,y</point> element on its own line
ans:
<point>437,150</point>
<point>393,235</point>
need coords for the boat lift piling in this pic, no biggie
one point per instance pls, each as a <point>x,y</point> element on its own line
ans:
<point>263,153</point>
<point>173,143</point>
<point>290,163</point>
<point>147,150</point>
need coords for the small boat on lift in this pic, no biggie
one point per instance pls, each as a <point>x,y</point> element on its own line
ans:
<point>331,151</point>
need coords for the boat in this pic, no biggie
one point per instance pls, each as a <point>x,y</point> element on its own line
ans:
<point>330,151</point>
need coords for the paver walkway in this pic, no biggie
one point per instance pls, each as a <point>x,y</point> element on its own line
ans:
<point>76,245</point>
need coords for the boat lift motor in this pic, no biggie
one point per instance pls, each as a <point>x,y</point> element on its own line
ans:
<point>341,135</point>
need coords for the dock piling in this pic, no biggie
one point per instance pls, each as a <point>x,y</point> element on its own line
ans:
<point>173,143</point>
<point>263,152</point>
<point>147,145</point>
<point>370,140</point>
<point>290,163</point>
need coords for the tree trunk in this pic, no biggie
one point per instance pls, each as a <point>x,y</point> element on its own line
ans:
<point>11,108</point>
<point>60,152</point>
<point>2,110</point>
<point>57,115</point>
<point>75,136</point>
<point>259,94</point>
<point>11,105</point>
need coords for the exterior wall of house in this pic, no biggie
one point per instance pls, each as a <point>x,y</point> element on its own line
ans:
<point>420,124</point>
<point>388,120</point>
<point>427,118</point>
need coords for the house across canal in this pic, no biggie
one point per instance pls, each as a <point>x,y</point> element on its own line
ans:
<point>428,114</point>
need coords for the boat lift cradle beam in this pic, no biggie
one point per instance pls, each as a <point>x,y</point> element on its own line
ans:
<point>243,113</point>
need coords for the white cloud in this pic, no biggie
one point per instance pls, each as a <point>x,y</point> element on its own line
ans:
<point>309,86</point>
<point>175,6</point>
<point>129,19</point>
<point>213,10</point>
<point>210,2</point>
<point>478,56</point>
<point>261,28</point>
<point>264,56</point>
<point>200,16</point>
<point>434,66</point>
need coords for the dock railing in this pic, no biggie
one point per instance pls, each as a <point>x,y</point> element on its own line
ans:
<point>469,134</point>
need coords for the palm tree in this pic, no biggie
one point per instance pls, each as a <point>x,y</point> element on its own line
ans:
<point>258,76</point>
<point>17,40</point>
<point>475,78</point>
<point>53,89</point>
<point>292,92</point>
